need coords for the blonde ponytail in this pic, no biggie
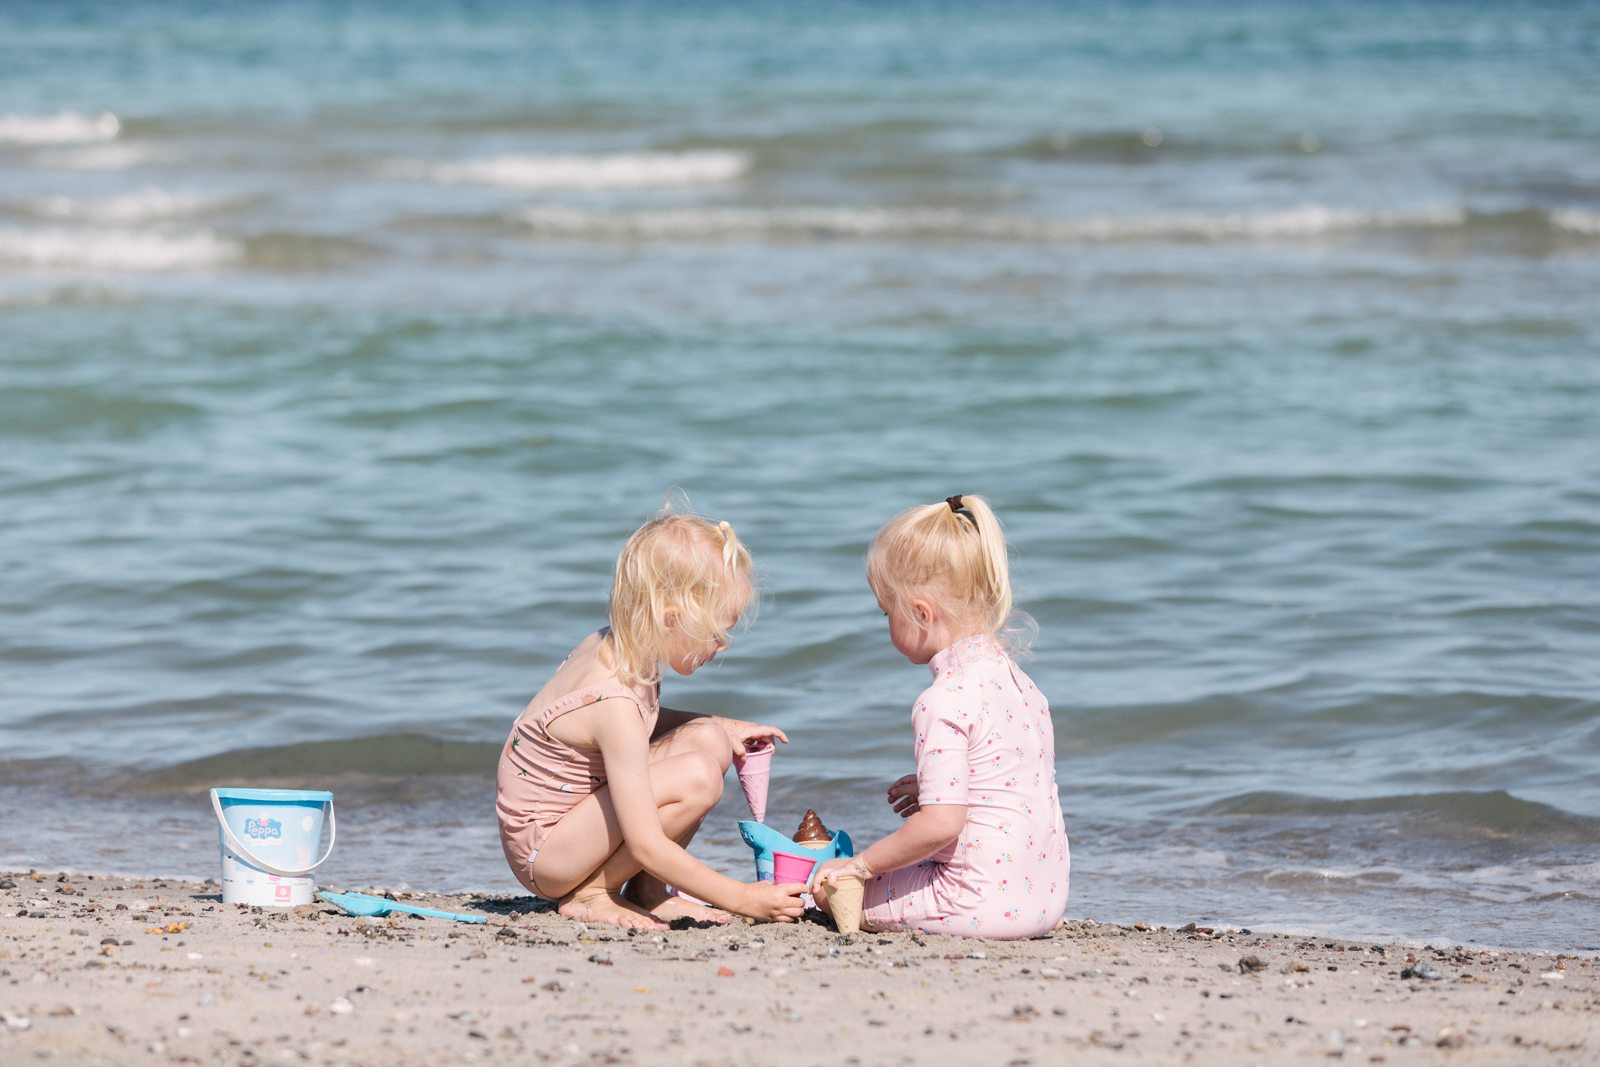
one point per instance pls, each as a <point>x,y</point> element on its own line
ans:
<point>996,584</point>
<point>730,545</point>
<point>954,552</point>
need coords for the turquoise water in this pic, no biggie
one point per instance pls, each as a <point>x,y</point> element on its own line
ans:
<point>342,346</point>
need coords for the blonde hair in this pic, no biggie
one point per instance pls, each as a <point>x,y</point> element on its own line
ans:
<point>957,557</point>
<point>677,561</point>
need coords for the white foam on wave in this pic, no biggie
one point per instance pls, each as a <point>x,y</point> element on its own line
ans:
<point>690,223</point>
<point>94,157</point>
<point>597,173</point>
<point>142,205</point>
<point>1576,220</point>
<point>64,127</point>
<point>113,249</point>
<point>1587,873</point>
<point>1311,220</point>
<point>721,223</point>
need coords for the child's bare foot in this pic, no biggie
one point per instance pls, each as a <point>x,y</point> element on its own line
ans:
<point>602,907</point>
<point>676,907</point>
<point>650,893</point>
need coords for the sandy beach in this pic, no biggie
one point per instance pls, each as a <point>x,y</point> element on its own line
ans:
<point>114,971</point>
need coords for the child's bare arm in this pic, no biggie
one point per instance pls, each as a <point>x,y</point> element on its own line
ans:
<point>626,751</point>
<point>625,748</point>
<point>738,730</point>
<point>923,833</point>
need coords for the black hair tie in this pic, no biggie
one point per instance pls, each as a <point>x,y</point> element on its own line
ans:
<point>955,503</point>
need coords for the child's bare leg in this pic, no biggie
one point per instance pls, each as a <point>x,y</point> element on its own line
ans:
<point>650,893</point>
<point>645,889</point>
<point>585,861</point>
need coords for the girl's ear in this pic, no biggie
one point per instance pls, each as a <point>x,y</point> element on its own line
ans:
<point>922,611</point>
<point>669,619</point>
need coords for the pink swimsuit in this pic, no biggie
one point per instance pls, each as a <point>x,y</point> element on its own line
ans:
<point>542,778</point>
<point>983,739</point>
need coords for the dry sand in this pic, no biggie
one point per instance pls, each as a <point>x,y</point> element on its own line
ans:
<point>191,980</point>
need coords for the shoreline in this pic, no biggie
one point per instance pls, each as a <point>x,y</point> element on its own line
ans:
<point>161,968</point>
<point>492,899</point>
<point>1502,880</point>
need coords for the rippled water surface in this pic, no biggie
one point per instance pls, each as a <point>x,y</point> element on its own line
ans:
<point>341,347</point>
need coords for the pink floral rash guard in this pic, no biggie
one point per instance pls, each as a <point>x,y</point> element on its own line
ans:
<point>983,739</point>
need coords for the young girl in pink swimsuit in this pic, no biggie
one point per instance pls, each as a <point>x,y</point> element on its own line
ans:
<point>600,788</point>
<point>983,850</point>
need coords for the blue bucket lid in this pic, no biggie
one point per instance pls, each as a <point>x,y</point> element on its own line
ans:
<point>281,796</point>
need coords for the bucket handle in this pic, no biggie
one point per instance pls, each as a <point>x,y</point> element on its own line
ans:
<point>239,849</point>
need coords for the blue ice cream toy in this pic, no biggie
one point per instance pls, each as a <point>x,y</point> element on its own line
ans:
<point>763,839</point>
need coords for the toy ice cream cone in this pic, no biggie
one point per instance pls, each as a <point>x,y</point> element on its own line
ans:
<point>755,774</point>
<point>812,834</point>
<point>845,900</point>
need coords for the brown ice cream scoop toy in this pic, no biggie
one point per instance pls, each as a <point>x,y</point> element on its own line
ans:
<point>812,834</point>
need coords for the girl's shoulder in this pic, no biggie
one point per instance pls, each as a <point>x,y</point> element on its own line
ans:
<point>953,686</point>
<point>585,677</point>
<point>970,673</point>
<point>1031,694</point>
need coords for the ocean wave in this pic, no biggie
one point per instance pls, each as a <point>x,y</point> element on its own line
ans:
<point>94,157</point>
<point>1307,877</point>
<point>1587,873</point>
<point>395,756</point>
<point>1576,220</point>
<point>33,412</point>
<point>116,250</point>
<point>140,206</point>
<point>294,251</point>
<point>1148,144</point>
<point>595,173</point>
<point>1494,814</point>
<point>1311,220</point>
<point>64,127</point>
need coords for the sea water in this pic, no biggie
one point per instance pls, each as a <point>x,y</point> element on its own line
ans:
<point>342,345</point>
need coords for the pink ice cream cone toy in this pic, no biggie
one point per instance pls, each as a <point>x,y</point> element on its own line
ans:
<point>755,774</point>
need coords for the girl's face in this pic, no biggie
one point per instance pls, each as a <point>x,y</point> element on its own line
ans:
<point>919,633</point>
<point>687,656</point>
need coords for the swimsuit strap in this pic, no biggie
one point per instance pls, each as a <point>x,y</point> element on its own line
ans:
<point>589,694</point>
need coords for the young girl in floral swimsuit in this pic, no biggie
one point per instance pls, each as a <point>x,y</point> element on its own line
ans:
<point>983,850</point>
<point>600,788</point>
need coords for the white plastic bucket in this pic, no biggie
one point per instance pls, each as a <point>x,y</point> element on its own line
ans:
<point>268,837</point>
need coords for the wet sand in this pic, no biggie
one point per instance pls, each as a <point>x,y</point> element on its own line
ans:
<point>191,980</point>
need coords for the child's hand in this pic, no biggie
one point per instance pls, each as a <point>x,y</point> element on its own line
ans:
<point>739,732</point>
<point>774,903</point>
<point>829,872</point>
<point>903,795</point>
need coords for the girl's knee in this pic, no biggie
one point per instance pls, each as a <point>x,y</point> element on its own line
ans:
<point>705,778</point>
<point>706,736</point>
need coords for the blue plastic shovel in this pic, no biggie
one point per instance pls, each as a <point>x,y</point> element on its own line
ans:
<point>361,904</point>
